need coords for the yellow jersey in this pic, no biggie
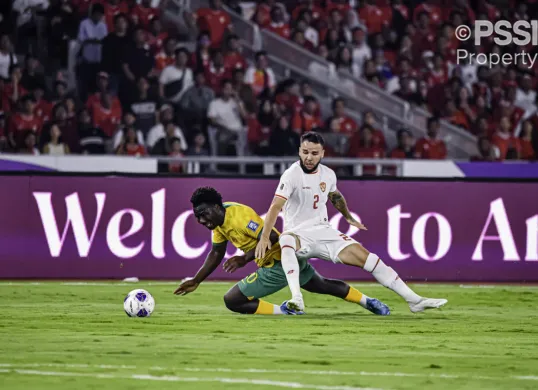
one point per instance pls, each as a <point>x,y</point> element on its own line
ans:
<point>242,226</point>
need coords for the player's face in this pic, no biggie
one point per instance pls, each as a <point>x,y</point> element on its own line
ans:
<point>208,215</point>
<point>311,155</point>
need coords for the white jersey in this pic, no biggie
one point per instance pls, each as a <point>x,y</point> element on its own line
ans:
<point>306,195</point>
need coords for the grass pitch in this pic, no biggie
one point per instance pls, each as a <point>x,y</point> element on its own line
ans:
<point>76,336</point>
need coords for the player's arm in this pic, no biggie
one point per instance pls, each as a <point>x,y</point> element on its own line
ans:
<point>212,261</point>
<point>270,219</point>
<point>339,202</point>
<point>233,263</point>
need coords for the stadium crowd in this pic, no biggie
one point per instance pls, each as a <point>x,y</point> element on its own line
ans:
<point>140,90</point>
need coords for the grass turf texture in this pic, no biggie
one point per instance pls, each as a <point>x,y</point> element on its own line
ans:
<point>67,335</point>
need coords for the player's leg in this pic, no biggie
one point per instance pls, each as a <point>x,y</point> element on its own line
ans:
<point>337,288</point>
<point>237,302</point>
<point>289,245</point>
<point>355,254</point>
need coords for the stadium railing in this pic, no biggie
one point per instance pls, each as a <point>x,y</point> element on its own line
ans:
<point>270,166</point>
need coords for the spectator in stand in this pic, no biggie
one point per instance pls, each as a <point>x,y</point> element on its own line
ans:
<point>107,113</point>
<point>283,140</point>
<point>278,23</point>
<point>308,6</point>
<point>115,49</point>
<point>341,123</point>
<point>262,16</point>
<point>374,17</point>
<point>299,39</point>
<point>259,128</point>
<point>306,119</point>
<point>175,151</point>
<point>378,138</point>
<point>226,127</point>
<point>199,147</point>
<point>507,146</point>
<point>455,116</point>
<point>176,79</point>
<point>142,14</point>
<point>130,144</point>
<point>144,107</point>
<point>129,122</point>
<point>201,58</point>
<point>138,62</point>
<point>405,147</point>
<point>310,34</point>
<point>60,92</point>
<point>366,149</point>
<point>243,90</point>
<point>91,32</point>
<point>431,147</point>
<point>68,128</point>
<point>288,97</point>
<point>344,62</point>
<point>216,72</point>
<point>62,26</point>
<point>529,134</point>
<point>29,145</point>
<point>233,58</point>
<point>525,95</point>
<point>260,77</point>
<point>163,147</point>
<point>32,75</point>
<point>71,108</point>
<point>22,122</point>
<point>13,91</point>
<point>7,56</point>
<point>156,37</point>
<point>195,103</point>
<point>215,20</point>
<point>55,147</point>
<point>485,151</point>
<point>361,51</point>
<point>158,131</point>
<point>113,8</point>
<point>92,139</point>
<point>166,56</point>
<point>43,108</point>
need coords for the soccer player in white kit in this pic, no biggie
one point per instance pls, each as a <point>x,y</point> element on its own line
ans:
<point>303,192</point>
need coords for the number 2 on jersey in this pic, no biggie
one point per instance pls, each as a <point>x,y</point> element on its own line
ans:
<point>316,200</point>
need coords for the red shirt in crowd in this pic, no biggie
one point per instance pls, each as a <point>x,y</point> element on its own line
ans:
<point>162,60</point>
<point>43,110</point>
<point>375,18</point>
<point>7,103</point>
<point>433,11</point>
<point>20,123</point>
<point>317,12</point>
<point>215,76</point>
<point>303,122</point>
<point>346,125</point>
<point>193,63</point>
<point>503,142</point>
<point>135,150</point>
<point>257,134</point>
<point>263,12</point>
<point>430,149</point>
<point>215,21</point>
<point>282,29</point>
<point>286,100</point>
<point>156,42</point>
<point>527,151</point>
<point>112,10</point>
<point>234,60</point>
<point>143,15</point>
<point>107,119</point>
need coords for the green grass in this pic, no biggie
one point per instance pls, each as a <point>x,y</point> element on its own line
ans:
<point>65,336</point>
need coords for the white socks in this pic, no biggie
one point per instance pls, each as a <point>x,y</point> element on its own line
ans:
<point>387,277</point>
<point>290,265</point>
<point>277,310</point>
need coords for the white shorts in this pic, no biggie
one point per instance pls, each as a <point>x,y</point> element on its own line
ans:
<point>322,242</point>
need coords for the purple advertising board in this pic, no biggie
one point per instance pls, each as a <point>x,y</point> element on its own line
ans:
<point>117,227</point>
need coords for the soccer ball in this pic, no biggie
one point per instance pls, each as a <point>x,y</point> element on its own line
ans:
<point>139,303</point>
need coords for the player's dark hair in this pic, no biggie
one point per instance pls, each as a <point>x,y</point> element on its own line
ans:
<point>314,137</point>
<point>432,120</point>
<point>207,195</point>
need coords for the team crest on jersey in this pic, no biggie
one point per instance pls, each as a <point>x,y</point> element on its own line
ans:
<point>253,226</point>
<point>323,186</point>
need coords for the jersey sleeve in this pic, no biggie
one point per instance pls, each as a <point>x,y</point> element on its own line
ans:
<point>285,186</point>
<point>218,239</point>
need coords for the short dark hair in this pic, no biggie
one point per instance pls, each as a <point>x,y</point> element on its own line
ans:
<point>226,81</point>
<point>207,195</point>
<point>314,137</point>
<point>97,8</point>
<point>259,54</point>
<point>336,101</point>
<point>433,119</point>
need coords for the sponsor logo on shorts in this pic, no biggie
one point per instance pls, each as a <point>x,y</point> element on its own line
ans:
<point>253,226</point>
<point>323,186</point>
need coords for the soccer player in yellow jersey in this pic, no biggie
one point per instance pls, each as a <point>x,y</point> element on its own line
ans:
<point>242,226</point>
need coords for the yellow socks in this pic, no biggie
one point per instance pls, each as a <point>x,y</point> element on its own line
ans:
<point>266,308</point>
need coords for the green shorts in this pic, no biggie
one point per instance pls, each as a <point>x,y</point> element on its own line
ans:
<point>268,280</point>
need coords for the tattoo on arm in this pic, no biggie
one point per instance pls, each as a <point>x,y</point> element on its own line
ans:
<point>339,202</point>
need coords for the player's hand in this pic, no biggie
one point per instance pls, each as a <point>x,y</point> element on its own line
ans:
<point>186,287</point>
<point>234,263</point>
<point>263,246</point>
<point>357,224</point>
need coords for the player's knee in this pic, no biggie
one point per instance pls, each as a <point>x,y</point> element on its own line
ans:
<point>287,241</point>
<point>231,302</point>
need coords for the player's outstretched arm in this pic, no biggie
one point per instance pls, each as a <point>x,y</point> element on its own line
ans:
<point>212,261</point>
<point>339,202</point>
<point>270,219</point>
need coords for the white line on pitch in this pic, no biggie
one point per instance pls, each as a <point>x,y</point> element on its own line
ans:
<point>261,382</point>
<point>268,371</point>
